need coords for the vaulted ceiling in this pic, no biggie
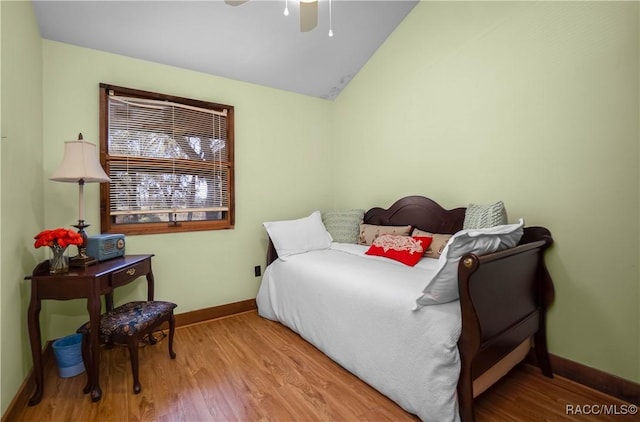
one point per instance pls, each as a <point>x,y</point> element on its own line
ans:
<point>252,42</point>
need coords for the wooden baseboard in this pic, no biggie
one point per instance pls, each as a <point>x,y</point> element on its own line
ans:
<point>193,317</point>
<point>604,382</point>
<point>207,314</point>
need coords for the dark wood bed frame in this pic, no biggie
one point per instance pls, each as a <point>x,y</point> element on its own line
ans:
<point>504,296</point>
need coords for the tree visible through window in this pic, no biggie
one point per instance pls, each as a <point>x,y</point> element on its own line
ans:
<point>170,161</point>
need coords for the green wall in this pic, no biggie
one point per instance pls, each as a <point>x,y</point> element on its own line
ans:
<point>532,103</point>
<point>22,205</point>
<point>282,153</point>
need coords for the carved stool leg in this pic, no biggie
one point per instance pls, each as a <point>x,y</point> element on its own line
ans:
<point>132,343</point>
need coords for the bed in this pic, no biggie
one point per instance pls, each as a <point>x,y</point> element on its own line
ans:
<point>432,360</point>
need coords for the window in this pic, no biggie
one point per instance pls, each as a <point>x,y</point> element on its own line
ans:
<point>170,161</point>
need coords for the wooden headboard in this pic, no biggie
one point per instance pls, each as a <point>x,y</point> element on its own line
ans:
<point>419,212</point>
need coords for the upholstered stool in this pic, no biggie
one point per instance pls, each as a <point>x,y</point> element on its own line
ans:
<point>128,324</point>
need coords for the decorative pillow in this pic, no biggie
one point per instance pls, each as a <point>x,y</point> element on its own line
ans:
<point>485,216</point>
<point>443,287</point>
<point>343,226</point>
<point>292,237</point>
<point>437,245</point>
<point>405,249</point>
<point>369,232</point>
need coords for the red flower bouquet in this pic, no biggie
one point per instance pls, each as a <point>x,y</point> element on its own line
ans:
<point>58,240</point>
<point>57,237</point>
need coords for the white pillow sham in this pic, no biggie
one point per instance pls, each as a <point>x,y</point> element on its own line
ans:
<point>443,287</point>
<point>292,237</point>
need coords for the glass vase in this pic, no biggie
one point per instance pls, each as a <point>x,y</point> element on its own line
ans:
<point>58,260</point>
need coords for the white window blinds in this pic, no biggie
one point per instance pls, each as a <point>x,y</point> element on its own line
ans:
<point>167,161</point>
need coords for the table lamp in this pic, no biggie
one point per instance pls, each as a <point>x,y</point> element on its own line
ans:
<point>80,165</point>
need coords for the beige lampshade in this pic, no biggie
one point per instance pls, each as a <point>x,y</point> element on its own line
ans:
<point>80,162</point>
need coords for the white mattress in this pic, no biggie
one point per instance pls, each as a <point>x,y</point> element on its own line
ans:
<point>357,309</point>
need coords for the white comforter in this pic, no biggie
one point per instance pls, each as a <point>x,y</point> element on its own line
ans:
<point>357,309</point>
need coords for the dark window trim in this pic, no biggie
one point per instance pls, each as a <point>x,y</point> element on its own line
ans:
<point>161,227</point>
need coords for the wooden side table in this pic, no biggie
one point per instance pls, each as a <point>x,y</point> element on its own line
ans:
<point>91,283</point>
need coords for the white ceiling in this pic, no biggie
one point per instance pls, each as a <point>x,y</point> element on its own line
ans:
<point>253,42</point>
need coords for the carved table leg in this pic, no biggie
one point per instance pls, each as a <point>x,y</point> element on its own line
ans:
<point>150,285</point>
<point>35,340</point>
<point>86,357</point>
<point>93,306</point>
<point>172,329</point>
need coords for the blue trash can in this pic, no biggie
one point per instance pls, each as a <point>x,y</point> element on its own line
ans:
<point>68,353</point>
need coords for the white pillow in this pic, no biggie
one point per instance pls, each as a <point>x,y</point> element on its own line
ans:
<point>292,237</point>
<point>443,287</point>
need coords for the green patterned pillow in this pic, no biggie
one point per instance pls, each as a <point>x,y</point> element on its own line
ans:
<point>485,216</point>
<point>344,226</point>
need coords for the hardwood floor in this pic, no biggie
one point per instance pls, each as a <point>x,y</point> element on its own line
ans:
<point>245,368</point>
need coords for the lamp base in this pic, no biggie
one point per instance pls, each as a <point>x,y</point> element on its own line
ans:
<point>82,259</point>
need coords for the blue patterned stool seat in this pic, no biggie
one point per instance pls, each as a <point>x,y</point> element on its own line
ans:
<point>127,324</point>
<point>131,318</point>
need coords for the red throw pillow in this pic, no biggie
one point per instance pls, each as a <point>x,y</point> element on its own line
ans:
<point>405,249</point>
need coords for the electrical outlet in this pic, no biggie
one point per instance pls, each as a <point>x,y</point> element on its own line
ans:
<point>257,271</point>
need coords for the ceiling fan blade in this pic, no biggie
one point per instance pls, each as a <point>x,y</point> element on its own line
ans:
<point>308,15</point>
<point>235,2</point>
